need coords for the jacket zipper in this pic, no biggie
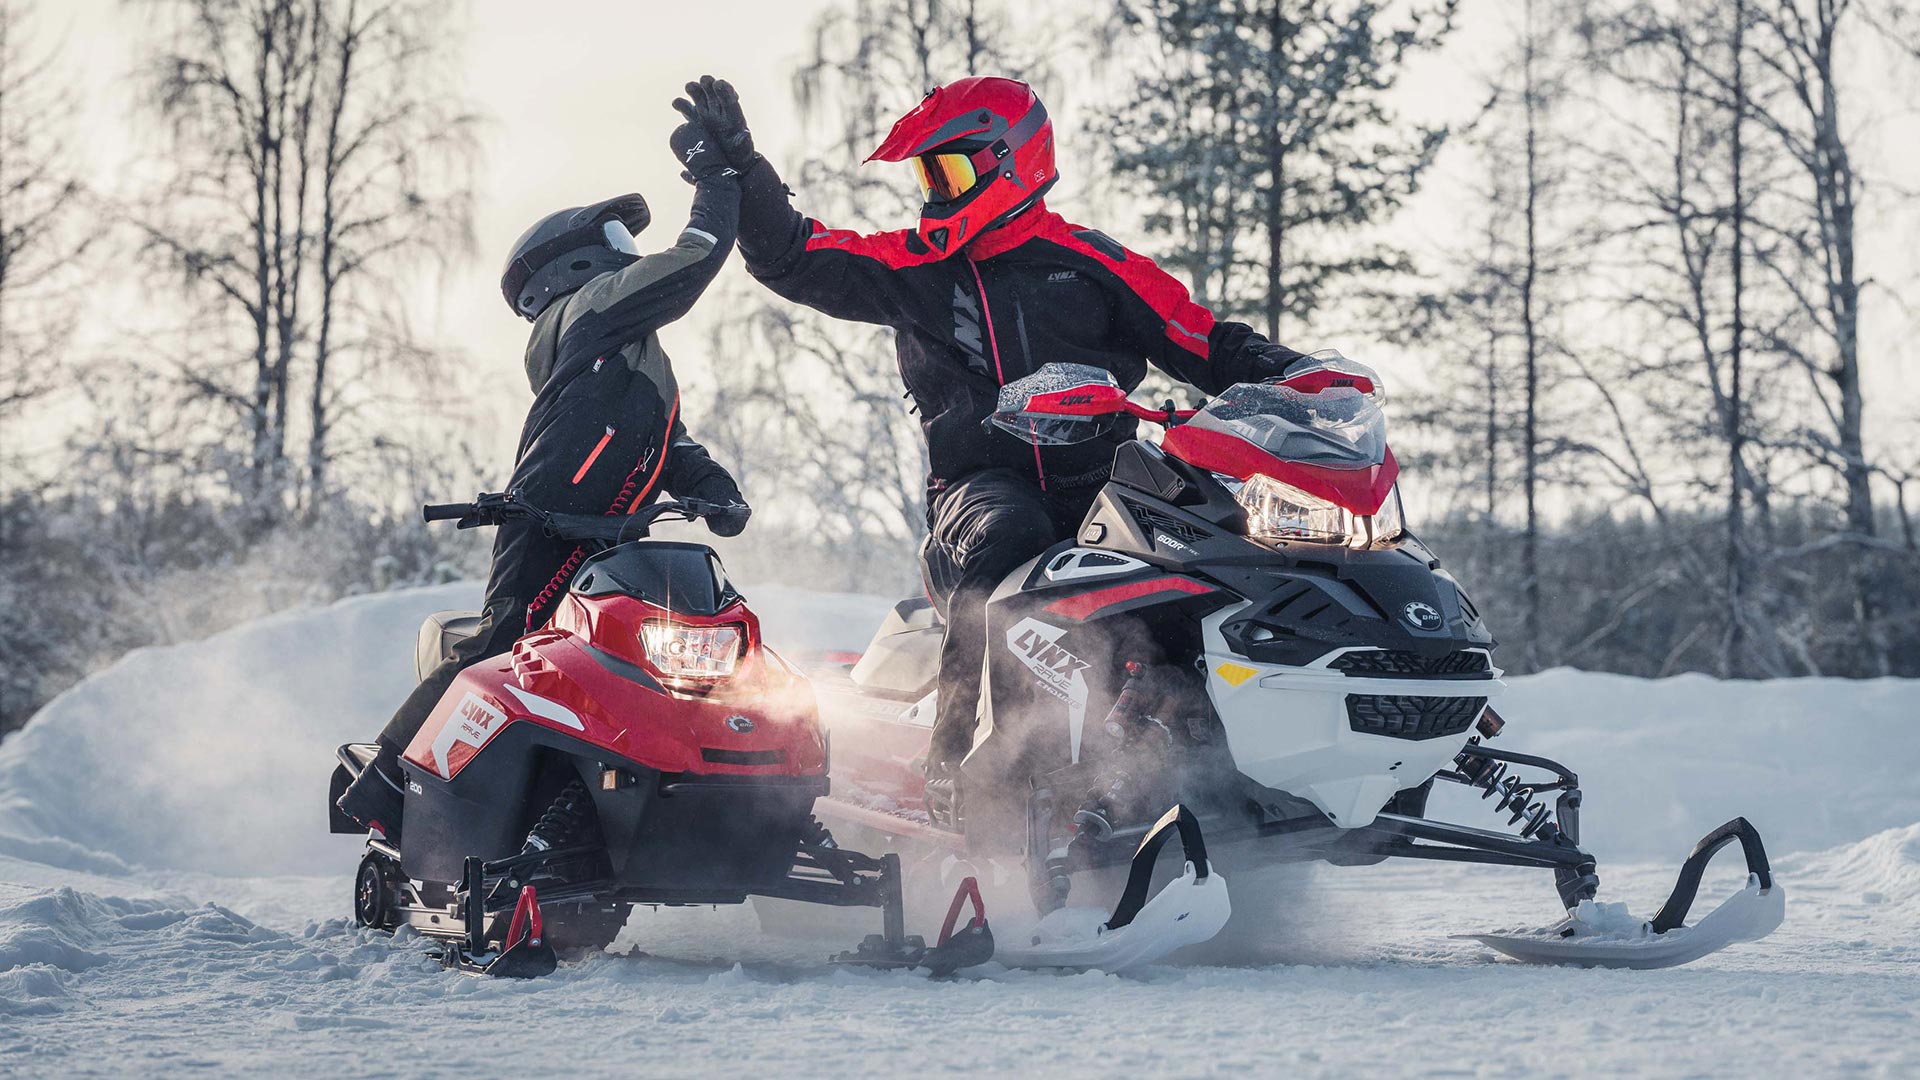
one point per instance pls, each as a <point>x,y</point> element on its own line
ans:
<point>993,342</point>
<point>593,455</point>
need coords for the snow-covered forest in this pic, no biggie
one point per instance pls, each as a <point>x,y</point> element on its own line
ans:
<point>1633,271</point>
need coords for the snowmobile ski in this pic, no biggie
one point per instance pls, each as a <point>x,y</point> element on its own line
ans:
<point>1604,935</point>
<point>523,954</point>
<point>1186,911</point>
<point>957,947</point>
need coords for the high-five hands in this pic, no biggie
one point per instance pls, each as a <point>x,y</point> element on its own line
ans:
<point>713,105</point>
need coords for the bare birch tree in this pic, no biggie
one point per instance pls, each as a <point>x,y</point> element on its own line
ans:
<point>313,156</point>
<point>42,237</point>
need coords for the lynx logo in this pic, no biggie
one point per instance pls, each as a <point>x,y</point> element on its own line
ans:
<point>1037,645</point>
<point>1064,275</point>
<point>1423,616</point>
<point>473,722</point>
<point>741,724</point>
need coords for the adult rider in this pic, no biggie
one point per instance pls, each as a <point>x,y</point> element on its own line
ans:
<point>985,288</point>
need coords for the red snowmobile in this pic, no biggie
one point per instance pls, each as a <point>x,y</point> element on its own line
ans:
<point>645,747</point>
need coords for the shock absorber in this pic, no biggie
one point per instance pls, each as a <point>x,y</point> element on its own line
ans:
<point>1516,797</point>
<point>562,822</point>
<point>1134,736</point>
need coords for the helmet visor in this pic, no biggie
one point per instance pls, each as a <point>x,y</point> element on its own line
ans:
<point>945,177</point>
<point>618,238</point>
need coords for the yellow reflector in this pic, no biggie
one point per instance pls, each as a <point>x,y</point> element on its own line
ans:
<point>1235,674</point>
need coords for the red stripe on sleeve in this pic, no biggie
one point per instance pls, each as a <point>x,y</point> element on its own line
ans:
<point>887,248</point>
<point>1187,323</point>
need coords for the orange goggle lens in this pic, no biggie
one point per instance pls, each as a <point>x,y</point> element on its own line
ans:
<point>944,177</point>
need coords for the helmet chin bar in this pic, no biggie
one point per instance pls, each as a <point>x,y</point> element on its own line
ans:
<point>938,226</point>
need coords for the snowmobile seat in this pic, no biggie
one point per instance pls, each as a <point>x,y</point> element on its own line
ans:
<point>439,634</point>
<point>356,756</point>
<point>354,759</point>
<point>903,660</point>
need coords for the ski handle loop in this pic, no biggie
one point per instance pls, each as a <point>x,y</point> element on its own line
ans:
<point>526,918</point>
<point>1673,913</point>
<point>969,890</point>
<point>1177,821</point>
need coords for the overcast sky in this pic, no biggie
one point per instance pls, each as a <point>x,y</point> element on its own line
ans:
<point>578,91</point>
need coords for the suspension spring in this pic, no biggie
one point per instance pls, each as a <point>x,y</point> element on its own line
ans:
<point>1516,796</point>
<point>564,819</point>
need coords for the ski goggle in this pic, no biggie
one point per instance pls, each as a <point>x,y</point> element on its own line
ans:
<point>945,177</point>
<point>618,238</point>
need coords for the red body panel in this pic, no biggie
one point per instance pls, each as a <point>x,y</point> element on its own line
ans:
<point>1085,605</point>
<point>551,680</point>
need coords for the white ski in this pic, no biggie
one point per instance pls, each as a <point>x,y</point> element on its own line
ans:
<point>1190,909</point>
<point>1604,935</point>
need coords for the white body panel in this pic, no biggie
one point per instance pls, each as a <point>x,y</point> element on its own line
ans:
<point>1288,729</point>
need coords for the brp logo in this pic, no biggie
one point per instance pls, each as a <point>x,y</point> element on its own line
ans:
<point>741,724</point>
<point>1423,616</point>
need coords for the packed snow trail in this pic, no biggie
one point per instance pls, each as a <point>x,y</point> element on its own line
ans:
<point>169,899</point>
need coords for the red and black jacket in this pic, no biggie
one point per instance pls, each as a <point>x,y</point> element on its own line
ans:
<point>1033,291</point>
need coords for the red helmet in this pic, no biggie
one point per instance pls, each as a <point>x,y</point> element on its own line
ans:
<point>982,148</point>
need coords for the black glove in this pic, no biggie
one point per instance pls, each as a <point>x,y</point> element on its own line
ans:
<point>699,155</point>
<point>1272,362</point>
<point>718,488</point>
<point>716,107</point>
<point>731,520</point>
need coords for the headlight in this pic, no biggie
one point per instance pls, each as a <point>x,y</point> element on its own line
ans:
<point>679,651</point>
<point>1280,511</point>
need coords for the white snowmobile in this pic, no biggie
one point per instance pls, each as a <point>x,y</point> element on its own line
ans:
<point>1244,641</point>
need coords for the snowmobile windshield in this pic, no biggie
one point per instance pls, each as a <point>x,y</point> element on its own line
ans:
<point>1337,428</point>
<point>1059,405</point>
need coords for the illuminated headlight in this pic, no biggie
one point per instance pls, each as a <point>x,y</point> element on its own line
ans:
<point>679,651</point>
<point>1280,511</point>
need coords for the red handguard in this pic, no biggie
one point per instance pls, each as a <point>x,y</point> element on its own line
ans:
<point>1312,382</point>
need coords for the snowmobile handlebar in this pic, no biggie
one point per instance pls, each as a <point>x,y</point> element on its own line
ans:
<point>446,511</point>
<point>496,508</point>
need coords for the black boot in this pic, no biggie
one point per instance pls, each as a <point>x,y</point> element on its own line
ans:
<point>376,796</point>
<point>943,794</point>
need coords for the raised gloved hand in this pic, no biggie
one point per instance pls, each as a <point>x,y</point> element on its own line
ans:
<point>716,107</point>
<point>699,155</point>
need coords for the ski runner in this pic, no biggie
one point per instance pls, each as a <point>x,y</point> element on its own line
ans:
<point>984,289</point>
<point>605,433</point>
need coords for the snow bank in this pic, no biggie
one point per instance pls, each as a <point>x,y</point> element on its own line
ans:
<point>214,756</point>
<point>1812,762</point>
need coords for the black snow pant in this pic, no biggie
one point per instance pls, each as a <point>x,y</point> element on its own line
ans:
<point>980,528</point>
<point>563,466</point>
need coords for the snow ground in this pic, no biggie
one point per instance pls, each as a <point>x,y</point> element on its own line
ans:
<point>170,901</point>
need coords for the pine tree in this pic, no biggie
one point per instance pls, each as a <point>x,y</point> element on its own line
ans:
<point>1260,133</point>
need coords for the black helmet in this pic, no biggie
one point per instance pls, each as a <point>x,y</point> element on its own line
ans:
<point>568,248</point>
